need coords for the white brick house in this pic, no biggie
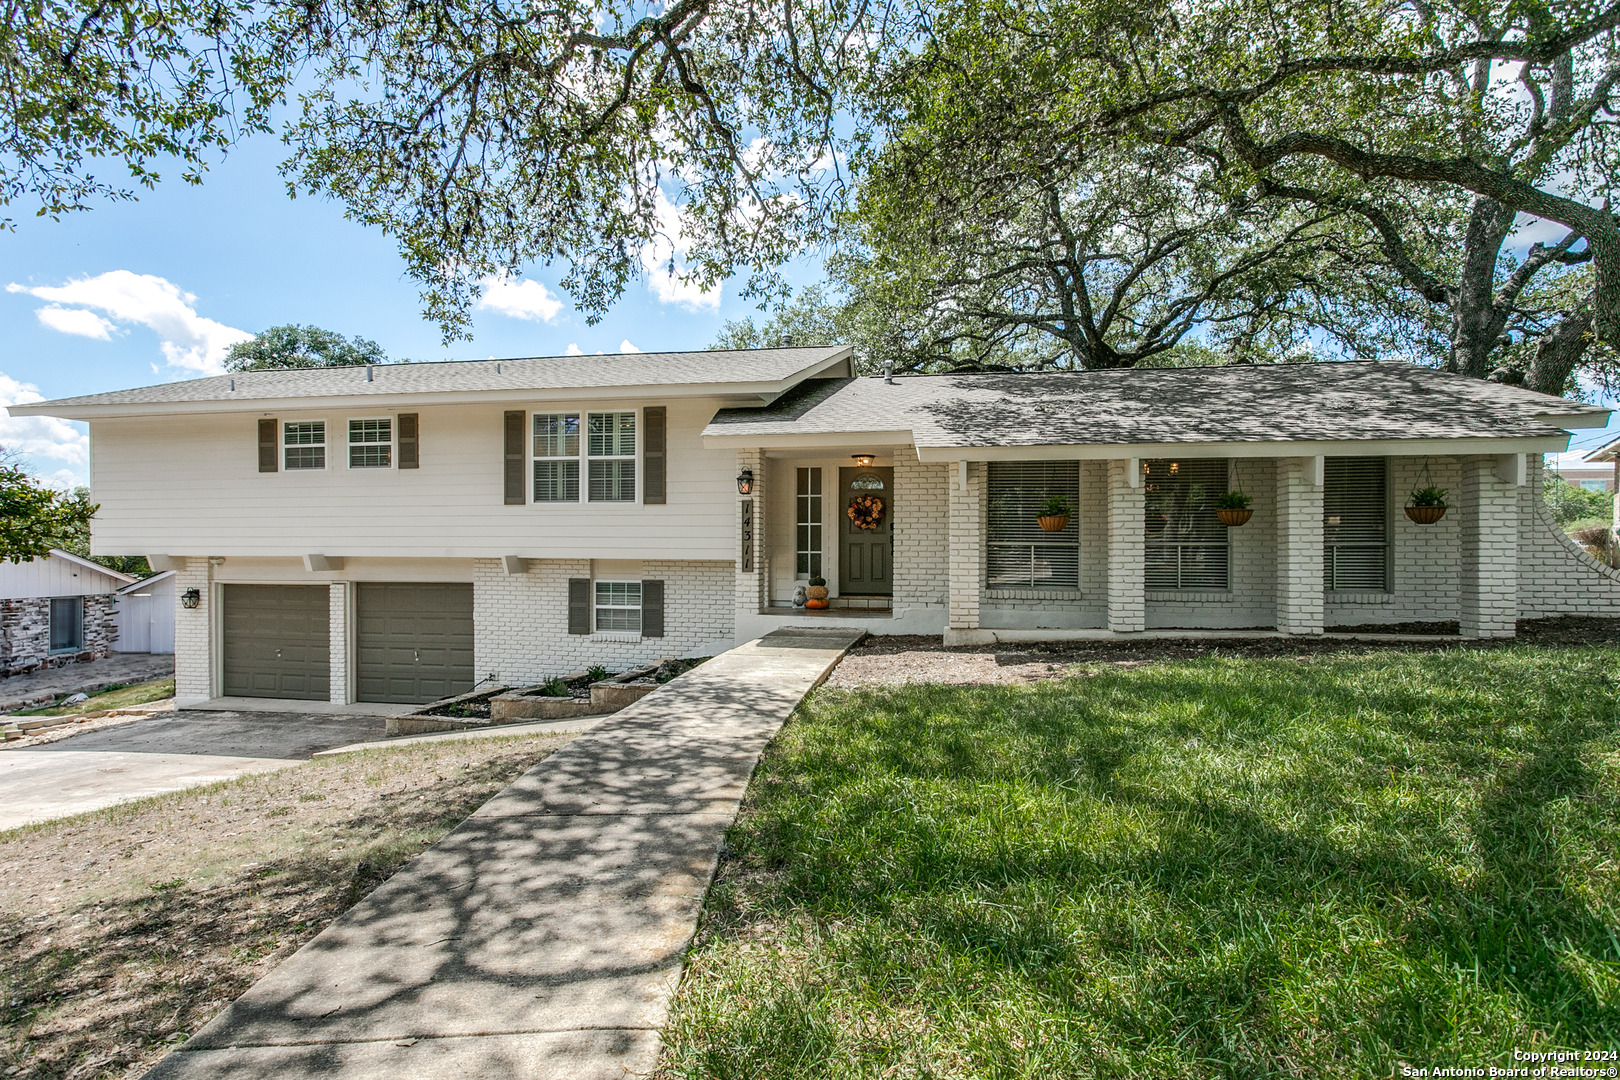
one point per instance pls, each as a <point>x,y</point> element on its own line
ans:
<point>403,532</point>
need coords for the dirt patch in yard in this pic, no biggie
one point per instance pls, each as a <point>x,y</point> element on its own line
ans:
<point>917,658</point>
<point>124,931</point>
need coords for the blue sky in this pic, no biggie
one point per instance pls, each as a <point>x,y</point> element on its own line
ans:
<point>134,293</point>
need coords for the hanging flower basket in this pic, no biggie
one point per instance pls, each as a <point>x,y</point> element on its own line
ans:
<point>866,511</point>
<point>1426,505</point>
<point>1053,522</point>
<point>1232,517</point>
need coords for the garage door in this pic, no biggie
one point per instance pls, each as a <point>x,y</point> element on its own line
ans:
<point>413,642</point>
<point>276,642</point>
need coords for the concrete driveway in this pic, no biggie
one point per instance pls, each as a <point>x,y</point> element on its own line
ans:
<point>169,752</point>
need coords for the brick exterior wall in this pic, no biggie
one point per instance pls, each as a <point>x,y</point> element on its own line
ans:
<point>193,663</point>
<point>1300,605</point>
<point>1556,576</point>
<point>1488,529</point>
<point>1250,598</point>
<point>337,607</point>
<point>921,523</point>
<point>1127,602</point>
<point>520,621</point>
<point>25,633</point>
<point>967,503</point>
<point>750,590</point>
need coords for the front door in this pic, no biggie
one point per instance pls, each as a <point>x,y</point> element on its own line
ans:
<point>864,546</point>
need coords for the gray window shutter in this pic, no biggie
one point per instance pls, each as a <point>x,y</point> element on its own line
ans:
<point>652,609</point>
<point>269,450</point>
<point>514,462</point>
<point>579,604</point>
<point>654,425</point>
<point>409,458</point>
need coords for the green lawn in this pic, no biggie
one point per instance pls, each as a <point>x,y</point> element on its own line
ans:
<point>1207,868</point>
<point>114,697</point>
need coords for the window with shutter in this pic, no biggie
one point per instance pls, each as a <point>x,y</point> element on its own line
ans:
<point>409,454</point>
<point>269,448</point>
<point>618,607</point>
<point>371,443</point>
<point>556,457</point>
<point>1019,553</point>
<point>1184,543</point>
<point>654,435</point>
<point>611,457</point>
<point>304,444</point>
<point>652,609</point>
<point>1355,525</point>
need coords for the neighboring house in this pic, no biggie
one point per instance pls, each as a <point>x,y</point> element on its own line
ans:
<point>1589,471</point>
<point>146,615</point>
<point>1607,458</point>
<point>56,610</point>
<point>401,533</point>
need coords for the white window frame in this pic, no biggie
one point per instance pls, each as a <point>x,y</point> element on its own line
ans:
<point>584,457</point>
<point>577,458</point>
<point>325,444</point>
<point>597,607</point>
<point>349,444</point>
<point>809,510</point>
<point>634,457</point>
<point>1331,543</point>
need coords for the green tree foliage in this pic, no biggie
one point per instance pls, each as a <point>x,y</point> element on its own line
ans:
<point>297,346</point>
<point>34,519</point>
<point>1569,503</point>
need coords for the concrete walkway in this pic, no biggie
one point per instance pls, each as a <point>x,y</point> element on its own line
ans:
<point>544,937</point>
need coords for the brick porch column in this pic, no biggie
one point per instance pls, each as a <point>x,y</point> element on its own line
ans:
<point>338,642</point>
<point>1300,585</point>
<point>752,582</point>
<point>193,639</point>
<point>1489,527</point>
<point>966,543</point>
<point>1127,600</point>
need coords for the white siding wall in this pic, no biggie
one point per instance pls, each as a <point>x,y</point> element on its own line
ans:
<point>51,576</point>
<point>190,485</point>
<point>146,618</point>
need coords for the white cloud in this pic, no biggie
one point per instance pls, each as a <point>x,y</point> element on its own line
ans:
<point>625,346</point>
<point>190,341</point>
<point>664,262</point>
<point>76,321</point>
<point>43,436</point>
<point>519,299</point>
<point>574,350</point>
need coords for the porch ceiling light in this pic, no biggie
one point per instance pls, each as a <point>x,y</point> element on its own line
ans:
<point>191,598</point>
<point>745,482</point>
<point>863,460</point>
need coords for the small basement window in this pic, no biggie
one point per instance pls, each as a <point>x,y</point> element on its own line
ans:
<point>67,624</point>
<point>303,444</point>
<point>371,444</point>
<point>618,607</point>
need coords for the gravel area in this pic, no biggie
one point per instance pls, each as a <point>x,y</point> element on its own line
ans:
<point>880,661</point>
<point>85,724</point>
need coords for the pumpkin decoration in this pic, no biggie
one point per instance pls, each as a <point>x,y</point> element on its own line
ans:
<point>816,594</point>
<point>865,511</point>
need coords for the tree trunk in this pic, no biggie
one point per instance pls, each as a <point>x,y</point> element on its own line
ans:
<point>1559,351</point>
<point>1476,324</point>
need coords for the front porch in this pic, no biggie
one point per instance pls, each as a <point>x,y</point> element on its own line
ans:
<point>1328,545</point>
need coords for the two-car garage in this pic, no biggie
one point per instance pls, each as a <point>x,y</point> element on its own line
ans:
<point>413,641</point>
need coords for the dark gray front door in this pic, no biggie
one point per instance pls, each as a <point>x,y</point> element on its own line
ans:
<point>276,642</point>
<point>413,641</point>
<point>864,554</point>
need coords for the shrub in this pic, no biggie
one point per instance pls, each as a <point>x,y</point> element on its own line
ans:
<point>596,673</point>
<point>1429,496</point>
<point>1568,503</point>
<point>554,687</point>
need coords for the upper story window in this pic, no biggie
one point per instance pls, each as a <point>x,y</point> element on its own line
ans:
<point>303,444</point>
<point>1355,524</point>
<point>607,452</point>
<point>1184,542</point>
<point>556,457</point>
<point>371,444</point>
<point>1019,553</point>
<point>611,456</point>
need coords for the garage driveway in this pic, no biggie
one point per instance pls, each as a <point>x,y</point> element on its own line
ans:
<point>169,752</point>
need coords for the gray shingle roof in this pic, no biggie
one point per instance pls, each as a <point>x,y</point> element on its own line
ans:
<point>721,366</point>
<point>1238,403</point>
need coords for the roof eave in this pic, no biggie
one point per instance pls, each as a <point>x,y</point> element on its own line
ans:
<point>81,561</point>
<point>1271,448</point>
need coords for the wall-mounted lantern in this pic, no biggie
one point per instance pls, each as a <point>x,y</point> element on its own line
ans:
<point>191,598</point>
<point>864,460</point>
<point>745,482</point>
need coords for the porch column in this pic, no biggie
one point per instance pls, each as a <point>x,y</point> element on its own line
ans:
<point>966,543</point>
<point>752,576</point>
<point>193,634</point>
<point>337,606</point>
<point>1300,582</point>
<point>1127,599</point>
<point>1489,513</point>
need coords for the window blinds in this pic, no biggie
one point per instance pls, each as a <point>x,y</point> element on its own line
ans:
<point>1355,524</point>
<point>1185,544</point>
<point>1019,553</point>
